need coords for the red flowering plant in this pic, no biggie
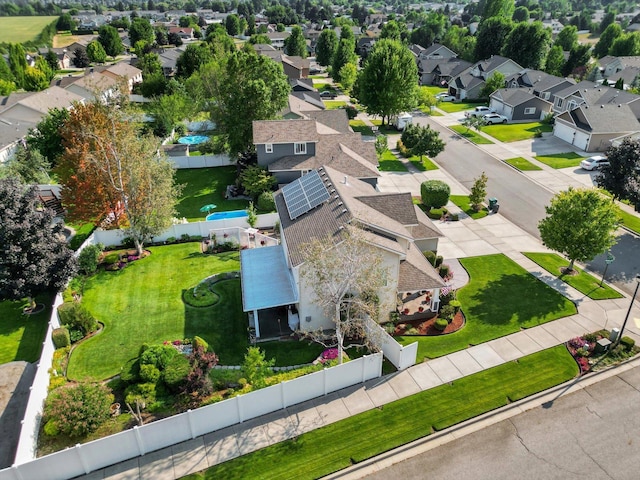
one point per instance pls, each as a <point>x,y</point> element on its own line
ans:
<point>329,354</point>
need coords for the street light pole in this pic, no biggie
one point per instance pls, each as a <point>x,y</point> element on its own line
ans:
<point>624,324</point>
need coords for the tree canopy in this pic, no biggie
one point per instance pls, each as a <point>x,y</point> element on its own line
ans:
<point>422,140</point>
<point>528,44</point>
<point>491,36</point>
<point>34,257</point>
<point>295,44</point>
<point>387,84</point>
<point>110,40</point>
<point>580,224</point>
<point>326,47</point>
<point>621,177</point>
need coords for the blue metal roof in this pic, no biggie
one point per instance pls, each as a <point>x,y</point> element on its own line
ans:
<point>266,279</point>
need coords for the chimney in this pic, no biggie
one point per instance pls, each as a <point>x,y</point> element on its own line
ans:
<point>346,182</point>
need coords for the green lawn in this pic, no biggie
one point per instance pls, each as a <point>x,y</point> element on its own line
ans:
<point>501,298</point>
<point>334,104</point>
<point>83,230</point>
<point>632,222</point>
<point>462,201</point>
<point>203,186</point>
<point>429,111</point>
<point>516,131</point>
<point>385,129</point>
<point>470,135</point>
<point>22,29</point>
<point>360,126</point>
<point>433,90</point>
<point>339,445</point>
<point>561,160</point>
<point>452,107</point>
<point>583,282</point>
<point>522,164</point>
<point>21,336</point>
<point>424,164</point>
<point>390,163</point>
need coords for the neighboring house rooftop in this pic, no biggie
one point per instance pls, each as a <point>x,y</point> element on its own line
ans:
<point>284,131</point>
<point>602,118</point>
<point>515,96</point>
<point>42,102</point>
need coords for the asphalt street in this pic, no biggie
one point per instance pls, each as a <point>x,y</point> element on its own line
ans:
<point>591,434</point>
<point>521,201</point>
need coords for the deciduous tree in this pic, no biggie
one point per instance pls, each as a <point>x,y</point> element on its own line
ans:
<point>346,277</point>
<point>580,224</point>
<point>478,192</point>
<point>387,84</point>
<point>80,58</point>
<point>567,39</point>
<point>96,52</point>
<point>46,137</point>
<point>422,140</point>
<point>326,47</point>
<point>255,180</point>
<point>28,165</point>
<point>494,82</point>
<point>141,30</point>
<point>528,44</point>
<point>34,257</point>
<point>109,170</point>
<point>492,36</point>
<point>110,40</point>
<point>295,44</point>
<point>610,34</point>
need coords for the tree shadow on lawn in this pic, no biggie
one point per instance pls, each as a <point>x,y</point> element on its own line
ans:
<point>519,296</point>
<point>223,325</point>
<point>35,327</point>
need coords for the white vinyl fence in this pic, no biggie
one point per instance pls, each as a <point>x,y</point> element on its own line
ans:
<point>122,446</point>
<point>202,229</point>
<point>402,356</point>
<point>201,161</point>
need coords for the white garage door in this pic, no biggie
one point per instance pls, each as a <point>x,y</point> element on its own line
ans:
<point>563,132</point>
<point>581,140</point>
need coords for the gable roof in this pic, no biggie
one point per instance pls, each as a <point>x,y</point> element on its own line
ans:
<point>516,96</point>
<point>124,69</point>
<point>42,102</point>
<point>284,131</point>
<point>609,118</point>
<point>434,48</point>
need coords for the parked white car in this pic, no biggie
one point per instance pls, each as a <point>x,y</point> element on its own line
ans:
<point>478,112</point>
<point>445,97</point>
<point>594,163</point>
<point>493,118</point>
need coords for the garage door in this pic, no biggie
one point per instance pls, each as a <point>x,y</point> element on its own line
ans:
<point>581,140</point>
<point>563,132</point>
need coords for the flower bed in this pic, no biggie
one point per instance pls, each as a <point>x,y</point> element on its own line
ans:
<point>589,358</point>
<point>427,327</point>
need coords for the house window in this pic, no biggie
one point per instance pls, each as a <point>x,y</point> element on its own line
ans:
<point>268,147</point>
<point>300,148</point>
<point>571,105</point>
<point>529,111</point>
<point>546,95</point>
<point>559,103</point>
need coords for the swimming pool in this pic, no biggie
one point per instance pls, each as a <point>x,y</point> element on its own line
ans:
<point>224,215</point>
<point>193,139</point>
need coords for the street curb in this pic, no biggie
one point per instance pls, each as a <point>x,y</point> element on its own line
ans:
<point>425,444</point>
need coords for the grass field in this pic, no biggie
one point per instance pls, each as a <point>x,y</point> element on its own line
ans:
<point>203,186</point>
<point>632,222</point>
<point>470,135</point>
<point>452,107</point>
<point>390,163</point>
<point>561,160</point>
<point>501,298</point>
<point>334,104</point>
<point>424,164</point>
<point>339,445</point>
<point>22,29</point>
<point>516,131</point>
<point>21,336</point>
<point>360,126</point>
<point>583,282</point>
<point>522,164</point>
<point>462,201</point>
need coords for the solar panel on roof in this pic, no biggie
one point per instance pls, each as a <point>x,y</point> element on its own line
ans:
<point>305,193</point>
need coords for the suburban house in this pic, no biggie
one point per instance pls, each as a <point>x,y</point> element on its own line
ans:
<point>592,127</point>
<point>93,85</point>
<point>185,33</point>
<point>593,94</point>
<point>21,111</point>
<point>124,71</point>
<point>469,83</point>
<point>542,84</point>
<point>278,38</point>
<point>320,205</point>
<point>440,71</point>
<point>291,148</point>
<point>610,65</point>
<point>294,67</point>
<point>434,51</point>
<point>519,104</point>
<point>629,76</point>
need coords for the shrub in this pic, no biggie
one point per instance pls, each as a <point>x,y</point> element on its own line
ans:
<point>436,213</point>
<point>455,304</point>
<point>256,367</point>
<point>352,112</point>
<point>444,270</point>
<point>412,331</point>
<point>175,373</point>
<point>170,240</point>
<point>441,324</point>
<point>158,355</point>
<point>60,337</point>
<point>185,237</point>
<point>446,299</point>
<point>144,393</point>
<point>266,203</point>
<point>439,261</point>
<point>431,256</point>
<point>78,410</point>
<point>404,151</point>
<point>200,342</point>
<point>111,259</point>
<point>149,373</point>
<point>76,317</point>
<point>627,342</point>
<point>51,428</point>
<point>89,259</point>
<point>198,384</point>
<point>447,312</point>
<point>130,372</point>
<point>434,193</point>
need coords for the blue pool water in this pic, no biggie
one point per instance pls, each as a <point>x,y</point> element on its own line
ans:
<point>231,214</point>
<point>193,139</point>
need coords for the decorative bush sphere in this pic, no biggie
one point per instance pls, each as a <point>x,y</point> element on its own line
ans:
<point>434,193</point>
<point>441,324</point>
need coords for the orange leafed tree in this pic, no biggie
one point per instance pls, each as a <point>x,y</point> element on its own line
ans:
<point>109,169</point>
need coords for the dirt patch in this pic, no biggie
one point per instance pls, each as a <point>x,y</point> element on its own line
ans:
<point>427,327</point>
<point>15,380</point>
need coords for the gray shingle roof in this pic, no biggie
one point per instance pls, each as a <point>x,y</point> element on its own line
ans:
<point>284,131</point>
<point>417,273</point>
<point>604,118</point>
